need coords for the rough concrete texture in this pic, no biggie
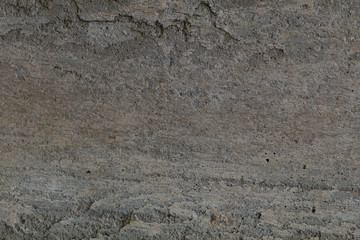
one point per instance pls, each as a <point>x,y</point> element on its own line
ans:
<point>179,119</point>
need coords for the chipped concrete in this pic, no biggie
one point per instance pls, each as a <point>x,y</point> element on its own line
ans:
<point>183,119</point>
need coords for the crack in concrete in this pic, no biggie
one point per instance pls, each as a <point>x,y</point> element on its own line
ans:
<point>184,24</point>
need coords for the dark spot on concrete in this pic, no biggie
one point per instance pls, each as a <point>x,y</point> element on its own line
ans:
<point>313,210</point>
<point>304,167</point>
<point>88,171</point>
<point>305,6</point>
<point>258,215</point>
<point>267,160</point>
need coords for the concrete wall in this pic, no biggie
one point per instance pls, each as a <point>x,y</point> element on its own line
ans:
<point>179,119</point>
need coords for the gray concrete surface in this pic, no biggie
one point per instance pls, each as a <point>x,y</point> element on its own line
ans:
<point>179,119</point>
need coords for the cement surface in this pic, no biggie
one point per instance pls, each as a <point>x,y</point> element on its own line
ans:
<point>179,119</point>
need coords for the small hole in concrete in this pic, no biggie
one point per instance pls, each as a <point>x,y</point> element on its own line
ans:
<point>304,167</point>
<point>267,160</point>
<point>88,171</point>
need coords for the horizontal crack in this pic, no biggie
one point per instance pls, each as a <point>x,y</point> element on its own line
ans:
<point>184,24</point>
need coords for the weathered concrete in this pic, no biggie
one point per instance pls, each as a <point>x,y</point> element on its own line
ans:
<point>178,119</point>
